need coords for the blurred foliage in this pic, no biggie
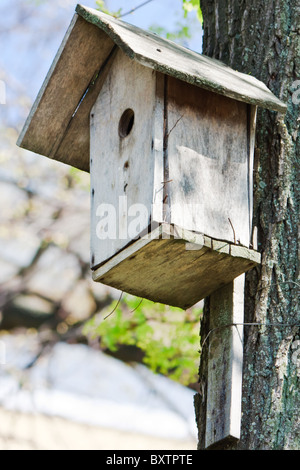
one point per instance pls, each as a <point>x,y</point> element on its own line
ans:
<point>77,178</point>
<point>180,34</point>
<point>182,31</point>
<point>168,336</point>
<point>101,5</point>
<point>192,5</point>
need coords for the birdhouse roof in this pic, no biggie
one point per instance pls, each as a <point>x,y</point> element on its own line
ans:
<point>58,124</point>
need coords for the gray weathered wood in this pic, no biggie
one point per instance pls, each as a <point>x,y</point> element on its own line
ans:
<point>225,362</point>
<point>73,70</point>
<point>163,266</point>
<point>252,132</point>
<point>209,164</point>
<point>76,139</point>
<point>158,142</point>
<point>122,168</point>
<point>184,64</point>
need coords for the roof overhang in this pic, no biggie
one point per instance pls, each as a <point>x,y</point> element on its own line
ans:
<point>58,124</point>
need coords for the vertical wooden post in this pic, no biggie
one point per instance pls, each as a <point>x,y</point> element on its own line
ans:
<point>225,362</point>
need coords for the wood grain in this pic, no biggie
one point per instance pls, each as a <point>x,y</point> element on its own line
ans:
<point>164,268</point>
<point>122,168</point>
<point>209,163</point>
<point>169,58</point>
<point>225,363</point>
<point>75,67</point>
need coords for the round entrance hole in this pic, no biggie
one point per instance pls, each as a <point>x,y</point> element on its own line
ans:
<point>126,123</point>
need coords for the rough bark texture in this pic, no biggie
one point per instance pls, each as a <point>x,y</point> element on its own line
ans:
<point>262,37</point>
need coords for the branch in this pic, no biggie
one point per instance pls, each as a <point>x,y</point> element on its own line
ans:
<point>134,9</point>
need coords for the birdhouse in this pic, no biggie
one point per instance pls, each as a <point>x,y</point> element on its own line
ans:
<point>168,137</point>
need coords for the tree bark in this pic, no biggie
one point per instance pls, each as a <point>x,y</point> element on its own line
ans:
<point>262,38</point>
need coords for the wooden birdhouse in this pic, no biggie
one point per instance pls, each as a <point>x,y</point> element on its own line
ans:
<point>168,137</point>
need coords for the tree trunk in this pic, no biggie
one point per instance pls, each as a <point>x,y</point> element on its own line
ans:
<point>262,38</point>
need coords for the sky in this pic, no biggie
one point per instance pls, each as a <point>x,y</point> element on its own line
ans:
<point>31,32</point>
<point>165,13</point>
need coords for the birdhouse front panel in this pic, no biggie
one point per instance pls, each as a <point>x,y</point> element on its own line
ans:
<point>122,157</point>
<point>164,151</point>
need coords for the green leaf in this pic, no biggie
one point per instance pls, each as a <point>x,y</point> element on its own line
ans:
<point>101,5</point>
<point>190,6</point>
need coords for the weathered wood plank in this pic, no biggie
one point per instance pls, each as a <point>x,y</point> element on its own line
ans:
<point>158,142</point>
<point>75,66</point>
<point>225,362</point>
<point>122,176</point>
<point>184,64</point>
<point>252,132</point>
<point>75,143</point>
<point>209,165</point>
<point>165,269</point>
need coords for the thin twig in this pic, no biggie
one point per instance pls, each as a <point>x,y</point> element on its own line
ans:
<point>234,237</point>
<point>165,182</point>
<point>115,308</point>
<point>134,9</point>
<point>179,119</point>
<point>137,306</point>
<point>292,325</point>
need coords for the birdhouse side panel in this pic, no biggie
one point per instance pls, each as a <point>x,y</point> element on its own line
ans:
<point>122,164</point>
<point>208,158</point>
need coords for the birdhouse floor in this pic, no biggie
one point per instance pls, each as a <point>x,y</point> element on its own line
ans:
<point>175,266</point>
